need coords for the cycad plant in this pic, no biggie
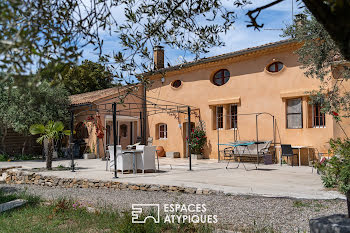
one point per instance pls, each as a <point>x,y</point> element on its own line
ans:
<point>51,131</point>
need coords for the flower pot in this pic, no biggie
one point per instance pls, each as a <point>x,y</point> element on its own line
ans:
<point>197,156</point>
<point>89,156</point>
<point>54,155</point>
<point>160,151</point>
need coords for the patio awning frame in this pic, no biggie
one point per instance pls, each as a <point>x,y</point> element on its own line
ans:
<point>147,107</point>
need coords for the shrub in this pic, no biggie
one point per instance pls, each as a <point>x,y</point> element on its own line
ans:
<point>4,157</point>
<point>336,172</point>
<point>197,140</point>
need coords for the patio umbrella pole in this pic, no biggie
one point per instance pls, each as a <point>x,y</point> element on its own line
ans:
<point>189,136</point>
<point>114,106</point>
<point>71,139</point>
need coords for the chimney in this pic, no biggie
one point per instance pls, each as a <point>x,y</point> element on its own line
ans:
<point>299,19</point>
<point>158,57</point>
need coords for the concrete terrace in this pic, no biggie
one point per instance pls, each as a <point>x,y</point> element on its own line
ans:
<point>269,180</point>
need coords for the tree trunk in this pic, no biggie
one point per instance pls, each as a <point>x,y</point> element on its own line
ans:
<point>3,137</point>
<point>24,144</point>
<point>348,202</point>
<point>49,155</point>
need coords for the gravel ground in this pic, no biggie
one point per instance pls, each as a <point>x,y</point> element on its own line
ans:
<point>234,212</point>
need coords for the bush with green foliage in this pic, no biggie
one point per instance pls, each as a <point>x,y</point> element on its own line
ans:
<point>22,106</point>
<point>4,157</point>
<point>336,172</point>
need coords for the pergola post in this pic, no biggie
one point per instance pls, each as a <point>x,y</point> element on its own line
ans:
<point>141,127</point>
<point>144,114</point>
<point>114,108</point>
<point>189,136</point>
<point>218,144</point>
<point>274,134</point>
<point>257,138</point>
<point>71,139</point>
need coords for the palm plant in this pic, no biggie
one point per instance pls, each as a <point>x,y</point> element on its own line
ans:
<point>51,131</point>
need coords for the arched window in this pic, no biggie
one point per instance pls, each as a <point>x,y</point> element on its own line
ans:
<point>81,132</point>
<point>221,77</point>
<point>275,67</point>
<point>123,130</point>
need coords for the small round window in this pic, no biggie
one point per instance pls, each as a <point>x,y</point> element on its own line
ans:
<point>176,83</point>
<point>275,67</point>
<point>221,77</point>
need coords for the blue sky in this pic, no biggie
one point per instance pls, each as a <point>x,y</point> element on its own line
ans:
<point>239,37</point>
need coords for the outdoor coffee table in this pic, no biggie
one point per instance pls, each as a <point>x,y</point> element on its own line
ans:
<point>133,152</point>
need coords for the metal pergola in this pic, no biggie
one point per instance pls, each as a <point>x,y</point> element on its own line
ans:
<point>149,106</point>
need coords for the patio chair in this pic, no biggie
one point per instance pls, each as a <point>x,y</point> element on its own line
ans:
<point>124,162</point>
<point>287,151</point>
<point>147,159</point>
<point>228,152</point>
<point>150,141</point>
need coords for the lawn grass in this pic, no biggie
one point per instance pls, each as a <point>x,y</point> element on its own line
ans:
<point>65,216</point>
<point>73,216</point>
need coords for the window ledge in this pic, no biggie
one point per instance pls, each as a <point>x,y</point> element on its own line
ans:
<point>234,100</point>
<point>295,93</point>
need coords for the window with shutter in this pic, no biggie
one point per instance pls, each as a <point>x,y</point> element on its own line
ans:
<point>219,117</point>
<point>318,118</point>
<point>233,116</point>
<point>294,114</point>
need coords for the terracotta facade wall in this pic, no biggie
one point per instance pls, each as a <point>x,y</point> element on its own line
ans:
<point>253,89</point>
<point>103,108</point>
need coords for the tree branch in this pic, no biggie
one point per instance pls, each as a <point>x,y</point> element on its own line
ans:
<point>335,18</point>
<point>257,11</point>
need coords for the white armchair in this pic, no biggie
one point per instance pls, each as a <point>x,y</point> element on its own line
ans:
<point>124,161</point>
<point>147,159</point>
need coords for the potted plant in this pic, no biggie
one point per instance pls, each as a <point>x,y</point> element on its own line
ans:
<point>89,153</point>
<point>336,174</point>
<point>197,142</point>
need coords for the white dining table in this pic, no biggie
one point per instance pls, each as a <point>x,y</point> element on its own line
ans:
<point>299,157</point>
<point>134,160</point>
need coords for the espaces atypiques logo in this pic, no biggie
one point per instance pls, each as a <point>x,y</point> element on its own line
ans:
<point>174,213</point>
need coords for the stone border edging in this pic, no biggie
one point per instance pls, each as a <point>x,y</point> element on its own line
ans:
<point>21,177</point>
